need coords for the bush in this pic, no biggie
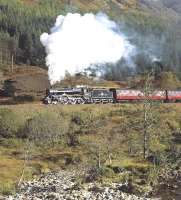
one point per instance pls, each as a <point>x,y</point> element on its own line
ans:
<point>87,122</point>
<point>81,123</point>
<point>24,98</point>
<point>96,173</point>
<point>72,135</point>
<point>9,123</point>
<point>7,189</point>
<point>45,128</point>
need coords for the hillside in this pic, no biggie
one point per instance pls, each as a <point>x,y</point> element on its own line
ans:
<point>167,9</point>
<point>151,26</point>
<point>28,82</point>
<point>22,22</point>
<point>174,5</point>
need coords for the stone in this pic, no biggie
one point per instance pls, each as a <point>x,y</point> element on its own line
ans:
<point>62,186</point>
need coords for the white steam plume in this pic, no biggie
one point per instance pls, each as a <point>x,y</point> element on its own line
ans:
<point>77,42</point>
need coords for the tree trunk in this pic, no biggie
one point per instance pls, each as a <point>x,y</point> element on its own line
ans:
<point>99,158</point>
<point>145,132</point>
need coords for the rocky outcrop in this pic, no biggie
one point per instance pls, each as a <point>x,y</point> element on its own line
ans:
<point>64,186</point>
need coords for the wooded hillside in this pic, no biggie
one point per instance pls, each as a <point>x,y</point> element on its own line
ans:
<point>153,27</point>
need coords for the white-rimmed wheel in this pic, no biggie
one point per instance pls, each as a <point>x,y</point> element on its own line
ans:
<point>55,102</point>
<point>72,101</point>
<point>49,101</point>
<point>65,100</point>
<point>82,101</point>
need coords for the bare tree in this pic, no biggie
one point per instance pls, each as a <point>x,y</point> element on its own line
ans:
<point>147,114</point>
<point>141,123</point>
<point>27,154</point>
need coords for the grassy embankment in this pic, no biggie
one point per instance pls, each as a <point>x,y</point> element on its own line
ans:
<point>85,136</point>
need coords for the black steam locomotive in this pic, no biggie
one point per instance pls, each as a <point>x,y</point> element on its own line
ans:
<point>79,96</point>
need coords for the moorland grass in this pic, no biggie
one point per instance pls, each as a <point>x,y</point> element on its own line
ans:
<point>106,136</point>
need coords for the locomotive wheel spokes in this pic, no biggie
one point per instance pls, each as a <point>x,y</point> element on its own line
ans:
<point>82,102</point>
<point>73,101</point>
<point>65,100</point>
<point>77,101</point>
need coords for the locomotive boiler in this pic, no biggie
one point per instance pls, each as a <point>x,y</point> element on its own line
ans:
<point>65,96</point>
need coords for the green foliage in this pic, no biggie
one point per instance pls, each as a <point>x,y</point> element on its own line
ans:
<point>10,123</point>
<point>154,36</point>
<point>97,173</point>
<point>45,128</point>
<point>24,98</point>
<point>72,135</point>
<point>87,122</point>
<point>22,23</point>
<point>153,176</point>
<point>130,131</point>
<point>169,81</point>
<point>82,122</point>
<point>111,150</point>
<point>7,189</point>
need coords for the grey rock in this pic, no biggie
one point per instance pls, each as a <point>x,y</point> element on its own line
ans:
<point>62,186</point>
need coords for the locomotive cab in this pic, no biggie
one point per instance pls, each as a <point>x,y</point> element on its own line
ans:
<point>102,96</point>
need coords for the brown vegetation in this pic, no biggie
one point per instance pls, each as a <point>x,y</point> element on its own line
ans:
<point>106,139</point>
<point>26,83</point>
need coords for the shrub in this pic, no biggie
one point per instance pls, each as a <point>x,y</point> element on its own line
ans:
<point>7,189</point>
<point>87,121</point>
<point>24,98</point>
<point>96,173</point>
<point>9,123</point>
<point>45,128</point>
<point>80,123</point>
<point>72,135</point>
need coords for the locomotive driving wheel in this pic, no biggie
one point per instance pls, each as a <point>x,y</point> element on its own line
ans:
<point>49,101</point>
<point>72,101</point>
<point>80,101</point>
<point>65,100</point>
<point>55,102</point>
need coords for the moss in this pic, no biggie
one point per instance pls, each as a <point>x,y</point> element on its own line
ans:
<point>132,164</point>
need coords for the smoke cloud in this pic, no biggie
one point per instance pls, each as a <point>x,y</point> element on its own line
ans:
<point>77,42</point>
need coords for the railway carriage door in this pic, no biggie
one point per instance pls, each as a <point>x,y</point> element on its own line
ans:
<point>166,96</point>
<point>113,90</point>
